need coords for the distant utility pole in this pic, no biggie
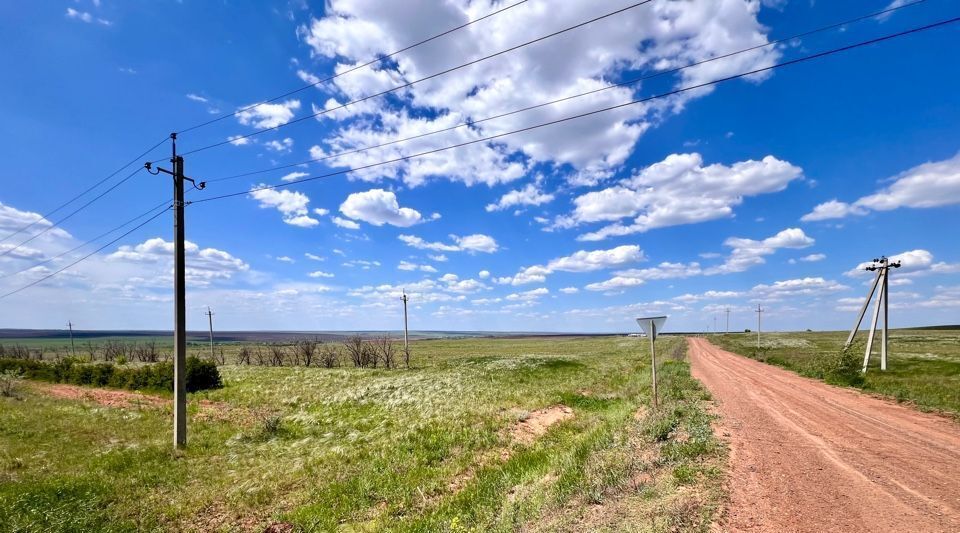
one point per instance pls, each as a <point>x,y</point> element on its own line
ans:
<point>759,312</point>
<point>73,349</point>
<point>882,267</point>
<point>180,295</point>
<point>209,314</point>
<point>715,324</point>
<point>728,320</point>
<point>405,299</point>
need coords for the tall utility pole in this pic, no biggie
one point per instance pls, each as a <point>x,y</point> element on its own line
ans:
<point>179,295</point>
<point>728,320</point>
<point>73,349</point>
<point>882,267</point>
<point>759,312</point>
<point>405,299</point>
<point>209,314</point>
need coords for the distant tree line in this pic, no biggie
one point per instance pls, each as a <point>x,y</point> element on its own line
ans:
<point>356,351</point>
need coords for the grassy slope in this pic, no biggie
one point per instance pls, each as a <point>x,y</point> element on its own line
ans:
<point>418,450</point>
<point>923,365</point>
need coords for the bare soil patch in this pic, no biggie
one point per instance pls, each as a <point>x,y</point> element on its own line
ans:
<point>124,399</point>
<point>536,424</point>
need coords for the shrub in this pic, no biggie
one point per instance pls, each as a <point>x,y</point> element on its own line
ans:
<point>842,368</point>
<point>201,375</point>
<point>9,379</point>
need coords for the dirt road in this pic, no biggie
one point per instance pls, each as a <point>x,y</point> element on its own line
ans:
<point>806,456</point>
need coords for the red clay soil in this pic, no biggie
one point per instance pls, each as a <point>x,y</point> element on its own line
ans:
<point>125,399</point>
<point>807,456</point>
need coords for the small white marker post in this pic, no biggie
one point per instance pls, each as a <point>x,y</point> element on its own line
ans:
<point>651,326</point>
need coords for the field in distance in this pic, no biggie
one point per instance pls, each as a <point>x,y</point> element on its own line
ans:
<point>480,434</point>
<point>923,365</point>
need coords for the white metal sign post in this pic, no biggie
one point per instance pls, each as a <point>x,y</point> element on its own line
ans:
<point>652,325</point>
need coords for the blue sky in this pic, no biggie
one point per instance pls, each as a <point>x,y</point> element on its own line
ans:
<point>769,190</point>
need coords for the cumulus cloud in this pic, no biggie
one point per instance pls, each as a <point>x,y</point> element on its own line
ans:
<point>379,207</point>
<point>747,253</point>
<point>320,274</point>
<point>293,176</point>
<point>529,195</point>
<point>678,190</point>
<point>409,266</point>
<point>468,243</point>
<point>268,115</point>
<point>934,184</point>
<point>655,36</point>
<point>204,265</point>
<point>283,145</point>
<point>291,204</point>
<point>912,263</point>
<point>580,261</point>
<point>345,223</point>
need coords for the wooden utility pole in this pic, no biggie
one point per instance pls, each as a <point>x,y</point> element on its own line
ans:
<point>759,312</point>
<point>406,340</point>
<point>73,349</point>
<point>209,314</point>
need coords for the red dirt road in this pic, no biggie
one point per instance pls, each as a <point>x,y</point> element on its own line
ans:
<point>806,456</point>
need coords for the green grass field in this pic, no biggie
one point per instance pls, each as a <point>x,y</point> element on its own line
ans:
<point>432,448</point>
<point>923,366</point>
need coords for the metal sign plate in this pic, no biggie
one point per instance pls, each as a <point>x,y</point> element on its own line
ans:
<point>647,325</point>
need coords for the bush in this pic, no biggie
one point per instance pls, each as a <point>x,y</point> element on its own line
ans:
<point>842,368</point>
<point>201,375</point>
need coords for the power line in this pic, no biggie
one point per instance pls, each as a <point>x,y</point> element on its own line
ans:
<point>74,212</point>
<point>414,82</point>
<point>88,189</point>
<point>597,111</point>
<point>48,276</point>
<point>97,238</point>
<point>352,69</point>
<point>571,97</point>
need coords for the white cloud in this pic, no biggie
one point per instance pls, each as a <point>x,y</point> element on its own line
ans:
<point>197,98</point>
<point>484,274</point>
<point>569,290</point>
<point>581,261</point>
<point>13,219</point>
<point>320,274</point>
<point>408,266</point>
<point>86,17</point>
<point>314,257</point>
<point>239,140</point>
<point>440,258</point>
<point>812,258</point>
<point>285,259</point>
<point>268,115</point>
<point>934,184</point>
<point>656,36</point>
<point>283,145</point>
<point>291,204</point>
<point>527,296</point>
<point>678,190</point>
<point>293,176</point>
<point>204,265</point>
<point>319,211</point>
<point>832,209</point>
<point>796,287</point>
<point>747,253</point>
<point>468,243</point>
<point>912,263</point>
<point>379,207</point>
<point>344,223</point>
<point>529,195</point>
